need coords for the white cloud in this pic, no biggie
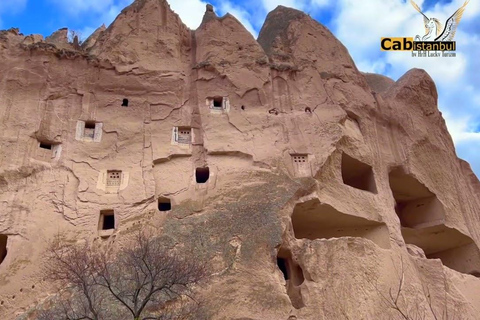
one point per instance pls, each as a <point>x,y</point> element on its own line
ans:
<point>241,14</point>
<point>190,11</point>
<point>361,24</point>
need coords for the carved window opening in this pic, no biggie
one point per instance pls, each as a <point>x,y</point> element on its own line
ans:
<point>202,175</point>
<point>107,220</point>
<point>357,174</point>
<point>300,158</point>
<point>114,178</point>
<point>218,102</point>
<point>415,205</point>
<point>47,151</point>
<point>164,204</point>
<point>44,145</point>
<point>301,164</point>
<point>125,103</point>
<point>89,132</point>
<point>184,135</point>
<point>315,220</point>
<point>3,247</point>
<point>422,217</point>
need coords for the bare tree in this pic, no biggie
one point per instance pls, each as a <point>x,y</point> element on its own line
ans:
<point>396,300</point>
<point>75,38</point>
<point>142,281</point>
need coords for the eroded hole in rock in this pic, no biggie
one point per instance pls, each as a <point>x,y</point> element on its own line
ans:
<point>282,265</point>
<point>202,175</point>
<point>308,110</point>
<point>314,220</point>
<point>242,107</point>
<point>3,247</point>
<point>293,275</point>
<point>274,111</point>
<point>164,204</point>
<point>422,217</point>
<point>357,174</point>
<point>125,103</point>
<point>107,220</point>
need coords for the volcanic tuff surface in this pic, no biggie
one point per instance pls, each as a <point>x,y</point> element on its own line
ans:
<point>340,182</point>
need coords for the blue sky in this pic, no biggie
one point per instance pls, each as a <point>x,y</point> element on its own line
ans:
<point>358,24</point>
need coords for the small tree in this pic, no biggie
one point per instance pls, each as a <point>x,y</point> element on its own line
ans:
<point>396,300</point>
<point>142,281</point>
<point>75,38</point>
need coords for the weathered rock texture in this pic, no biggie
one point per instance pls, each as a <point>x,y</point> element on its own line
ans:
<point>317,173</point>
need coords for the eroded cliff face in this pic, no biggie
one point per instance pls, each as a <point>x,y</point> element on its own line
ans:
<point>325,187</point>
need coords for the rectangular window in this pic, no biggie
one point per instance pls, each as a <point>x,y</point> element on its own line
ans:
<point>107,220</point>
<point>184,135</point>
<point>89,132</point>
<point>114,178</point>
<point>300,158</point>
<point>47,151</point>
<point>46,146</point>
<point>301,165</point>
<point>218,103</point>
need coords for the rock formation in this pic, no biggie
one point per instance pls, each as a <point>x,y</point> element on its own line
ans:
<point>314,189</point>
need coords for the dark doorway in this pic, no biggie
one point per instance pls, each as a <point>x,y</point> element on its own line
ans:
<point>47,146</point>
<point>3,247</point>
<point>125,103</point>
<point>282,265</point>
<point>202,175</point>
<point>218,102</point>
<point>164,204</point>
<point>90,125</point>
<point>107,220</point>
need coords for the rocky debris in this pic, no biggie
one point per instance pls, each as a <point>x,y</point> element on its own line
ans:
<point>313,189</point>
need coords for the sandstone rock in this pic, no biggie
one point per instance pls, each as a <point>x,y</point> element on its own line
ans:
<point>160,40</point>
<point>92,39</point>
<point>33,38</point>
<point>312,189</point>
<point>378,82</point>
<point>58,37</point>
